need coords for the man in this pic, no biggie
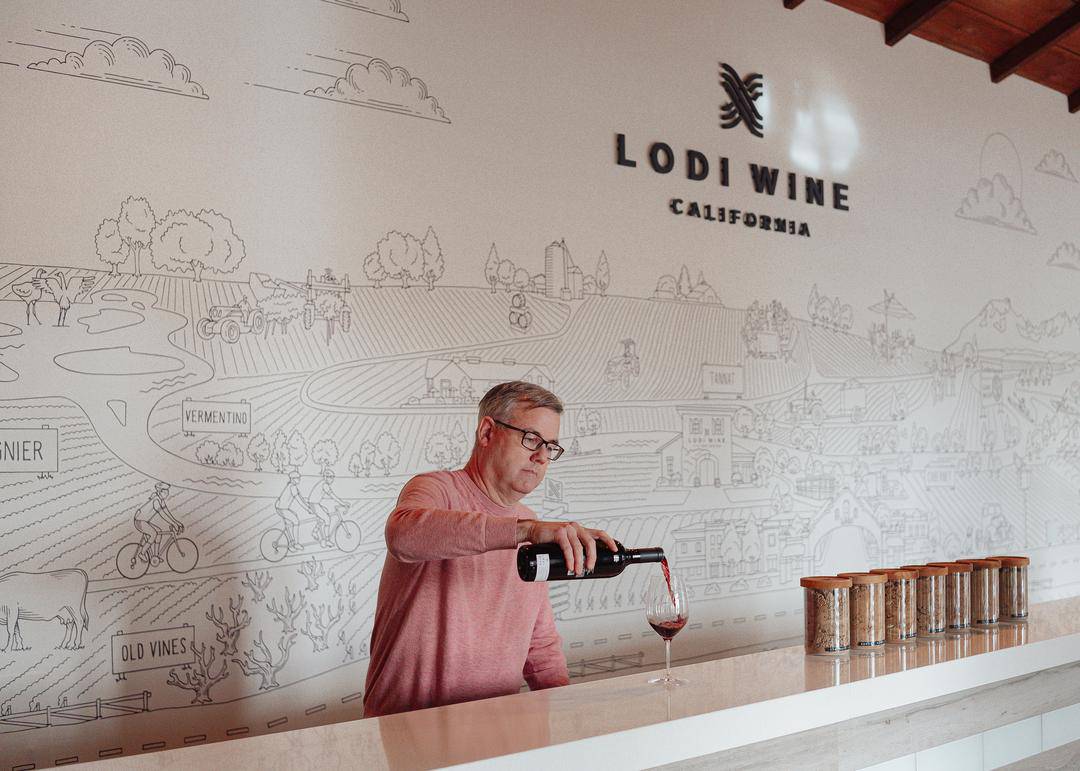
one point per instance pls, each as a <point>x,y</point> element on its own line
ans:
<point>453,621</point>
<point>291,507</point>
<point>326,507</point>
<point>150,519</point>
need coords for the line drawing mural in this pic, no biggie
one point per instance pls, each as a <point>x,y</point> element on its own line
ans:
<point>1054,164</point>
<point>390,9</point>
<point>996,199</point>
<point>221,433</point>
<point>368,82</point>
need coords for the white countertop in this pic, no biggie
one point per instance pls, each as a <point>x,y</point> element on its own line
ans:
<point>726,703</point>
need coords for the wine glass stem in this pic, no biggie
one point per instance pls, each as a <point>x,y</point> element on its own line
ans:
<point>667,659</point>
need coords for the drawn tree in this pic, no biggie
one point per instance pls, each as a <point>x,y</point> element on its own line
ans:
<point>206,451</point>
<point>259,661</point>
<point>763,464</point>
<point>291,607</point>
<point>279,454</point>
<point>329,307</point>
<point>355,466</point>
<point>401,256</point>
<point>199,676</point>
<point>229,455</point>
<point>258,450</point>
<point>812,304</point>
<point>257,583</point>
<point>136,224</point>
<point>491,268</point>
<point>374,269</point>
<point>296,448</point>
<point>312,570</point>
<point>321,620</point>
<point>506,274</point>
<point>588,285</point>
<point>365,457</point>
<point>183,241</point>
<point>588,422</point>
<point>433,264</point>
<point>325,453</point>
<point>229,631</point>
<point>442,450</point>
<point>684,286</point>
<point>388,452</point>
<point>603,274</point>
<point>110,245</point>
<point>521,279</point>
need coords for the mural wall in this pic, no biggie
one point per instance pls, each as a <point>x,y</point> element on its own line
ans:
<point>265,257</point>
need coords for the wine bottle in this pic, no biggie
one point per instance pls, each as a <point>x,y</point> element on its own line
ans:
<point>545,562</point>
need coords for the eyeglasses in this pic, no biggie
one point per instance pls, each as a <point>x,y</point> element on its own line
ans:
<point>532,441</point>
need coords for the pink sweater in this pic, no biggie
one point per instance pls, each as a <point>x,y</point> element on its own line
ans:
<point>453,621</point>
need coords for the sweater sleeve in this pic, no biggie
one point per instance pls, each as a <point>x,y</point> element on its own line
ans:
<point>545,666</point>
<point>423,526</point>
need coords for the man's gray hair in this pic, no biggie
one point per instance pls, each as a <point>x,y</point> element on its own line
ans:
<point>500,402</point>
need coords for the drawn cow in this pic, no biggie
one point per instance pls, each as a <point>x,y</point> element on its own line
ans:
<point>57,594</point>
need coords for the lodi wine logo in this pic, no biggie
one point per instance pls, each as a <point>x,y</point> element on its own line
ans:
<point>742,93</point>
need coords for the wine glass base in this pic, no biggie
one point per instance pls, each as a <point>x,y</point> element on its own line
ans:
<point>667,680</point>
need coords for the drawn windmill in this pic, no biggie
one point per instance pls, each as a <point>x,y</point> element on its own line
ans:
<point>890,306</point>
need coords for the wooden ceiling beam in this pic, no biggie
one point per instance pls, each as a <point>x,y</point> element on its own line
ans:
<point>790,4</point>
<point>1074,101</point>
<point>909,17</point>
<point>1006,64</point>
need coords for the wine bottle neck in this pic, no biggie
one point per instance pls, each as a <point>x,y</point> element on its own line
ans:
<point>654,554</point>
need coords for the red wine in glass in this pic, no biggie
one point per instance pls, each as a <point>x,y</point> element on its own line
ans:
<point>667,609</point>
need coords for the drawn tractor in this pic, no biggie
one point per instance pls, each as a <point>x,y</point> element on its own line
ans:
<point>624,368</point>
<point>230,321</point>
<point>520,315</point>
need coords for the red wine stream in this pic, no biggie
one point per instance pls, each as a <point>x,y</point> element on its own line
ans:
<point>667,577</point>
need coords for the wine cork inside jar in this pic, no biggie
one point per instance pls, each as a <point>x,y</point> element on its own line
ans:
<point>957,595</point>
<point>1013,587</point>
<point>930,599</point>
<point>984,591</point>
<point>826,614</point>
<point>867,609</point>
<point>900,601</point>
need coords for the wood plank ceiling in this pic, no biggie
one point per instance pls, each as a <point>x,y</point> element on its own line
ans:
<point>1034,39</point>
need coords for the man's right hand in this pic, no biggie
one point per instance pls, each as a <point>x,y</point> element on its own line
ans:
<point>577,541</point>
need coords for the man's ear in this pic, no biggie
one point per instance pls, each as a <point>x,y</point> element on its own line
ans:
<point>484,431</point>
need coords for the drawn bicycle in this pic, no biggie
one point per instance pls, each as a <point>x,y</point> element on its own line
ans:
<point>276,543</point>
<point>180,554</point>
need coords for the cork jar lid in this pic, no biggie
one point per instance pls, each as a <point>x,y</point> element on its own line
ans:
<point>953,567</point>
<point>825,582</point>
<point>864,578</point>
<point>896,574</point>
<point>1012,562</point>
<point>977,562</point>
<point>925,571</point>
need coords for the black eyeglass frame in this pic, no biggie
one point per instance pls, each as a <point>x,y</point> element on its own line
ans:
<point>554,450</point>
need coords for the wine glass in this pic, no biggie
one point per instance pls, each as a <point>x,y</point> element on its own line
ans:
<point>667,609</point>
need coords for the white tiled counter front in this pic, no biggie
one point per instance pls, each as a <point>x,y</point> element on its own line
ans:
<point>727,703</point>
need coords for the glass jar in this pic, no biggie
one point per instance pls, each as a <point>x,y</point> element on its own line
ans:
<point>826,613</point>
<point>984,591</point>
<point>957,595</point>
<point>867,609</point>
<point>1013,587</point>
<point>930,599</point>
<point>900,602</point>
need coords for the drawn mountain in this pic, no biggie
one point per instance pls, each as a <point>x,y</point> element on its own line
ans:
<point>998,327</point>
<point>1066,256</point>
<point>993,202</point>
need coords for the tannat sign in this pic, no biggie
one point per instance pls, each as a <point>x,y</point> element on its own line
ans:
<point>768,182</point>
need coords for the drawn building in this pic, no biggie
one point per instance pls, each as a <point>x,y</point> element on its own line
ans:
<point>707,451</point>
<point>563,280</point>
<point>465,380</point>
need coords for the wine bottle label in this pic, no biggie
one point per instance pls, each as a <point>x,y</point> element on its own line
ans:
<point>543,567</point>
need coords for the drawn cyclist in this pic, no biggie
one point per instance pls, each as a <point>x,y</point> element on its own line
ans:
<point>326,507</point>
<point>152,518</point>
<point>290,506</point>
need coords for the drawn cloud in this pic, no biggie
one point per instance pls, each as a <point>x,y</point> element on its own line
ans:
<point>1054,163</point>
<point>993,202</point>
<point>127,61</point>
<point>382,87</point>
<point>388,8</point>
<point>1066,256</point>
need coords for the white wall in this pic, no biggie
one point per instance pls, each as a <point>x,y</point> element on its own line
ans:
<point>519,152</point>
